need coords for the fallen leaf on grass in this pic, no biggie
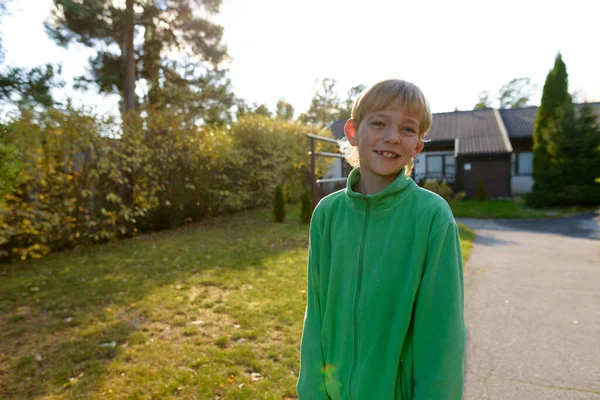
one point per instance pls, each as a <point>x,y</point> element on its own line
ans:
<point>255,376</point>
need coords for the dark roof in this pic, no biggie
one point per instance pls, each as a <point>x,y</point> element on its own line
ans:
<point>337,127</point>
<point>477,131</point>
<point>519,122</point>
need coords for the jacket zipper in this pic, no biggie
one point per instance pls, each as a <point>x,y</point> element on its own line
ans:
<point>358,290</point>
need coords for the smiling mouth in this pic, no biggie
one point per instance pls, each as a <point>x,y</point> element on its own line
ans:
<point>387,154</point>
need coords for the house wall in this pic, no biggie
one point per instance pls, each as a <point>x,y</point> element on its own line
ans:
<point>521,184</point>
<point>494,172</point>
<point>522,144</point>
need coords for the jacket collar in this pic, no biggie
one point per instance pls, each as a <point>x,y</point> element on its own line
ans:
<point>396,192</point>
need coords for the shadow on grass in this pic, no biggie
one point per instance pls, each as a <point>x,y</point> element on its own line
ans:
<point>68,315</point>
<point>70,364</point>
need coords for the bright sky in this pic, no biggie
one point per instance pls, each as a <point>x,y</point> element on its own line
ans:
<point>452,49</point>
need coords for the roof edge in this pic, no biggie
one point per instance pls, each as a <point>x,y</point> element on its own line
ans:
<point>503,131</point>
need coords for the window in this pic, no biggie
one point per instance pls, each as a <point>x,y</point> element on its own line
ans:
<point>441,167</point>
<point>434,165</point>
<point>523,163</point>
<point>449,166</point>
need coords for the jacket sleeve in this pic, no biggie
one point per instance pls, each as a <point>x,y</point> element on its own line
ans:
<point>311,379</point>
<point>439,328</point>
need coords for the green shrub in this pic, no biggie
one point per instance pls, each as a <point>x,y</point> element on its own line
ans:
<point>11,167</point>
<point>80,178</point>
<point>443,190</point>
<point>306,207</point>
<point>480,195</point>
<point>279,205</point>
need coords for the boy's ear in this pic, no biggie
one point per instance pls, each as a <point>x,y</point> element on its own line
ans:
<point>419,147</point>
<point>350,130</point>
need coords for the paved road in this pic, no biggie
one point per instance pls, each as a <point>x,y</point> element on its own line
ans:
<point>532,309</point>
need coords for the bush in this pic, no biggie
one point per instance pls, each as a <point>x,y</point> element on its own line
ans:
<point>75,178</point>
<point>11,167</point>
<point>444,190</point>
<point>306,207</point>
<point>279,204</point>
<point>480,195</point>
<point>271,151</point>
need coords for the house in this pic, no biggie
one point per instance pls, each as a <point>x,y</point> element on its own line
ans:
<point>466,147</point>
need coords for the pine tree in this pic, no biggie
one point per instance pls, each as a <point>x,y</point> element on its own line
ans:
<point>556,101</point>
<point>576,156</point>
<point>133,41</point>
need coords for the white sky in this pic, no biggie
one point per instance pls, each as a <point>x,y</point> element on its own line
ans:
<point>452,49</point>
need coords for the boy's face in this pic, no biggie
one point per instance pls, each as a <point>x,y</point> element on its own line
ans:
<point>386,140</point>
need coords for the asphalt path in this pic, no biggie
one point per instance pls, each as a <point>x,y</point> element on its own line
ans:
<point>532,310</point>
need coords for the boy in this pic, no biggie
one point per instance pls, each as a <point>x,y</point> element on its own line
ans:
<point>384,317</point>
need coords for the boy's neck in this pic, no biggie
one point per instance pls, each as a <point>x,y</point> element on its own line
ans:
<point>369,184</point>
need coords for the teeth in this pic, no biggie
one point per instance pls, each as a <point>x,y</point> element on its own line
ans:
<point>387,154</point>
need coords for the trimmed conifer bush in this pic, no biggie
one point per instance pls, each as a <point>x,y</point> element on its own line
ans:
<point>279,205</point>
<point>306,207</point>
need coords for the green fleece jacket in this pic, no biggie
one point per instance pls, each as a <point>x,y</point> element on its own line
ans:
<point>384,317</point>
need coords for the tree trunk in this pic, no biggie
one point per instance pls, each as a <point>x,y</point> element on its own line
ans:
<point>128,106</point>
<point>129,84</point>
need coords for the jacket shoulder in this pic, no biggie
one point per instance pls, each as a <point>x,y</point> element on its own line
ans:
<point>433,205</point>
<point>330,201</point>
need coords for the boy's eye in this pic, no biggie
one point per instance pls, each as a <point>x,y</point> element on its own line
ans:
<point>408,129</point>
<point>377,123</point>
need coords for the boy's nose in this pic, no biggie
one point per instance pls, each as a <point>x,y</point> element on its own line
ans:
<point>391,136</point>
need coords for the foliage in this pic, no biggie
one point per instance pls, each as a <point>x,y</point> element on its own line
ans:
<point>284,110</point>
<point>27,87</point>
<point>515,94</point>
<point>484,101</point>
<point>556,104</point>
<point>444,190</point>
<point>271,152</point>
<point>480,195</point>
<point>263,110</point>
<point>306,209</point>
<point>573,144</point>
<point>11,166</point>
<point>326,105</point>
<point>176,56</point>
<point>78,168</point>
<point>31,86</point>
<point>345,109</point>
<point>279,205</point>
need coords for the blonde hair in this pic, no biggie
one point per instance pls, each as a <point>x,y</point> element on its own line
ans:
<point>384,95</point>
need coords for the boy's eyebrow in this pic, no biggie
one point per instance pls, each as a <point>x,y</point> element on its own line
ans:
<point>382,114</point>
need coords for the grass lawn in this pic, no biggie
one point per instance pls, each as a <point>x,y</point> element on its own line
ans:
<point>210,310</point>
<point>509,209</point>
